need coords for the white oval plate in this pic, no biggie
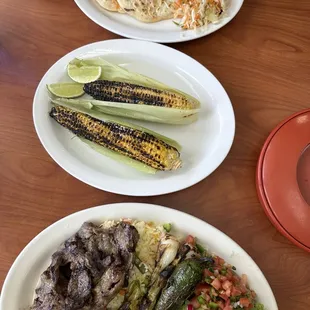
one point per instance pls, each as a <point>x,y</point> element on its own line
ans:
<point>205,143</point>
<point>20,283</point>
<point>164,31</point>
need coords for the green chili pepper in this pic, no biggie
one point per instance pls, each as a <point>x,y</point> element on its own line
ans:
<point>213,305</point>
<point>208,280</point>
<point>200,248</point>
<point>201,300</point>
<point>167,227</point>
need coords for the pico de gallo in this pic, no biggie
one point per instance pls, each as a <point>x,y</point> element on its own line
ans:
<point>221,287</point>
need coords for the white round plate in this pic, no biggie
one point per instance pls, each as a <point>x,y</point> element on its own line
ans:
<point>164,31</point>
<point>205,143</point>
<point>20,283</point>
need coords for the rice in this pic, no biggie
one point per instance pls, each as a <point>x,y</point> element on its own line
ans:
<point>109,224</point>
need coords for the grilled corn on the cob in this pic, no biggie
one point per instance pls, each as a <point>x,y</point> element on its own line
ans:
<point>134,143</point>
<point>135,94</point>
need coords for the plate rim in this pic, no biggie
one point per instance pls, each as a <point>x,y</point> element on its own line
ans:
<point>228,126</point>
<point>125,206</point>
<point>114,28</point>
<point>260,183</point>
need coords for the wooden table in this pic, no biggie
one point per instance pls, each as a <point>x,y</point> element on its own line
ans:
<point>262,59</point>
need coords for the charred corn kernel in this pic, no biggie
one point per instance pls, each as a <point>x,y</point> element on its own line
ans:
<point>128,141</point>
<point>131,93</point>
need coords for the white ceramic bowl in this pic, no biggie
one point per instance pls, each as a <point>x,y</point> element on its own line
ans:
<point>20,283</point>
<point>205,143</point>
<point>164,31</point>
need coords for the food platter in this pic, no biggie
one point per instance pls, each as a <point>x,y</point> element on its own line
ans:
<point>19,286</point>
<point>205,143</point>
<point>164,31</point>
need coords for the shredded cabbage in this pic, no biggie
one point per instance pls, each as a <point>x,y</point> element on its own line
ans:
<point>196,13</point>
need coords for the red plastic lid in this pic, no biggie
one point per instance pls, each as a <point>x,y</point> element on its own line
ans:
<point>283,178</point>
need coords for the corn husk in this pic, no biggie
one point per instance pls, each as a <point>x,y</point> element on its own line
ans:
<point>165,115</point>
<point>87,108</point>
<point>139,112</point>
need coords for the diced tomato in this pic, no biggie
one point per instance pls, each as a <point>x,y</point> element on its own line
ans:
<point>228,292</point>
<point>235,291</point>
<point>228,308</point>
<point>202,288</point>
<point>235,279</point>
<point>190,240</point>
<point>190,307</point>
<point>220,304</point>
<point>226,285</point>
<point>224,296</point>
<point>222,278</point>
<point>194,302</point>
<point>207,273</point>
<point>229,275</point>
<point>245,302</point>
<point>218,260</point>
<point>207,297</point>
<point>216,284</point>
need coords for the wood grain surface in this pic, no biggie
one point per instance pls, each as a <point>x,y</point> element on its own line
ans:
<point>262,58</point>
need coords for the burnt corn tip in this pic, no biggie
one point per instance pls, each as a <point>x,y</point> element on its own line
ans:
<point>125,140</point>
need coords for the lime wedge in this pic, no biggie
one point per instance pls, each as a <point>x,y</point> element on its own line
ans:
<point>66,90</point>
<point>84,74</point>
